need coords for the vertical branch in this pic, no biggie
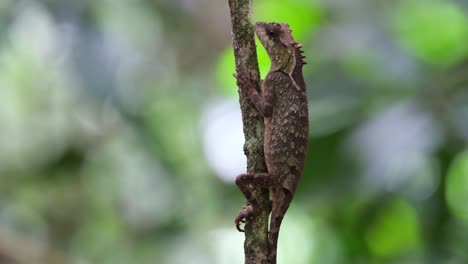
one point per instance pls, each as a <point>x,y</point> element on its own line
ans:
<point>243,39</point>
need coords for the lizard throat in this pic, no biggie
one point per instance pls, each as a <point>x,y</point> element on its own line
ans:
<point>286,65</point>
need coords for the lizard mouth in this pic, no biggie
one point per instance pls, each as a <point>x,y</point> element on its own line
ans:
<point>260,27</point>
<point>269,35</point>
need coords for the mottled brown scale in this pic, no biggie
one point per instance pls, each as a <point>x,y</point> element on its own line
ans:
<point>283,103</point>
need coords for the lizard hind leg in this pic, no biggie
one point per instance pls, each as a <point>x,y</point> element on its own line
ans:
<point>248,183</point>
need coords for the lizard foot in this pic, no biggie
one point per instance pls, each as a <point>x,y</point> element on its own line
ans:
<point>243,215</point>
<point>242,81</point>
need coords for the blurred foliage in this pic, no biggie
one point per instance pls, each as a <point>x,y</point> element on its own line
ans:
<point>443,44</point>
<point>120,132</point>
<point>456,187</point>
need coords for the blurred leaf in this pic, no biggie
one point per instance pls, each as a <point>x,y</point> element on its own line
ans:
<point>395,230</point>
<point>302,16</point>
<point>456,188</point>
<point>435,31</point>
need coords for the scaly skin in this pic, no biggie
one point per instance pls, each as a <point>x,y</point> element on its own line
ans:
<point>283,104</point>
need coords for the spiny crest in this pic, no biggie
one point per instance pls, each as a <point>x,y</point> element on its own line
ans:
<point>299,54</point>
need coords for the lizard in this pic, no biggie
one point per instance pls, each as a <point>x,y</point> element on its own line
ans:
<point>283,104</point>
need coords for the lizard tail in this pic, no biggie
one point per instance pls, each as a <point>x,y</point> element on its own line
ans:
<point>277,213</point>
<point>273,239</point>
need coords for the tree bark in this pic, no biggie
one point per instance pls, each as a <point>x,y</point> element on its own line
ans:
<point>243,39</point>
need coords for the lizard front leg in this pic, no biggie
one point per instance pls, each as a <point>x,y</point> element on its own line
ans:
<point>248,183</point>
<point>263,102</point>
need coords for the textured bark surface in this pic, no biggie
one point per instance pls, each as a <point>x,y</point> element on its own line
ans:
<point>243,39</point>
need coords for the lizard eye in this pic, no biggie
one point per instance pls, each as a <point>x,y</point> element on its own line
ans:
<point>273,30</point>
<point>271,33</point>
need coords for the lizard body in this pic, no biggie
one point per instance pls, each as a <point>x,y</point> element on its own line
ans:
<point>283,104</point>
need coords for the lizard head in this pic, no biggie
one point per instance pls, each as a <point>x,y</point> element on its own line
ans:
<point>279,44</point>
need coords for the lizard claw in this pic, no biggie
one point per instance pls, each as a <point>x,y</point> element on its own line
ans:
<point>239,219</point>
<point>246,212</point>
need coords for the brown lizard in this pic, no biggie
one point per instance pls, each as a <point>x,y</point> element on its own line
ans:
<point>283,104</point>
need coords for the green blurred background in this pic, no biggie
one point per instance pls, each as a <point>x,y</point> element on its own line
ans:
<point>120,132</point>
